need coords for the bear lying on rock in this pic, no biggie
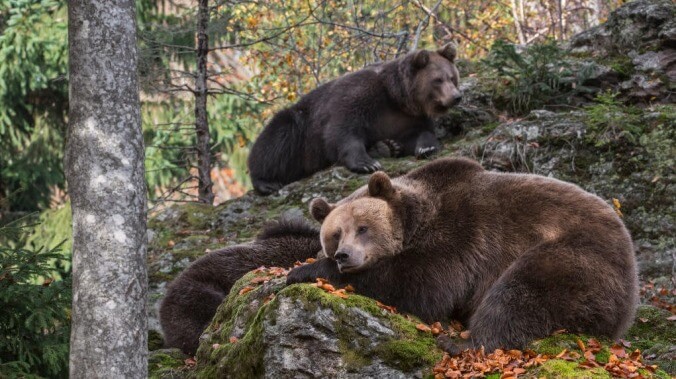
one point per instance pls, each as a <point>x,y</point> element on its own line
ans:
<point>340,120</point>
<point>514,256</point>
<point>193,297</point>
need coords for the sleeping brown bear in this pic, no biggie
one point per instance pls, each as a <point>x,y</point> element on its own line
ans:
<point>193,297</point>
<point>516,256</point>
<point>340,120</point>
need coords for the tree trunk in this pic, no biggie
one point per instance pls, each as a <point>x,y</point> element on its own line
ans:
<point>201,122</point>
<point>105,174</point>
<point>517,23</point>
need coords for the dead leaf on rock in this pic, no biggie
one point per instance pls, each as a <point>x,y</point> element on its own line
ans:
<point>246,289</point>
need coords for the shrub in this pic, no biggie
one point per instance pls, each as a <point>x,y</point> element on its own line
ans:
<point>34,311</point>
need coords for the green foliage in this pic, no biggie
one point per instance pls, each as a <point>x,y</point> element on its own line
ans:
<point>609,120</point>
<point>533,78</point>
<point>33,100</point>
<point>35,312</point>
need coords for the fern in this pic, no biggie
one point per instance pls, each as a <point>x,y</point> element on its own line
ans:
<point>535,77</point>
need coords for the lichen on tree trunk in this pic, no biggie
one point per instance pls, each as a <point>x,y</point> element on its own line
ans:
<point>105,172</point>
<point>203,147</point>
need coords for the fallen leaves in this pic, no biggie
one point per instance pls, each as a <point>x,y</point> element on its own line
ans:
<point>388,308</point>
<point>617,205</point>
<point>263,275</point>
<point>510,364</point>
<point>328,287</point>
<point>246,290</point>
<point>476,363</point>
<point>628,367</point>
<point>620,364</point>
<point>659,297</point>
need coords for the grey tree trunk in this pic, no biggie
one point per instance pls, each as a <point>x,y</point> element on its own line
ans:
<point>201,121</point>
<point>105,174</point>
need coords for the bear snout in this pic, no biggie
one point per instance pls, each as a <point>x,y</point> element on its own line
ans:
<point>457,98</point>
<point>341,256</point>
<point>348,259</point>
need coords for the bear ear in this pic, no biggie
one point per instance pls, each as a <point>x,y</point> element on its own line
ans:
<point>380,185</point>
<point>420,59</point>
<point>448,51</point>
<point>320,208</point>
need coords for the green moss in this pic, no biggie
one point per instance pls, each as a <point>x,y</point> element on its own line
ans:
<point>558,368</point>
<point>409,350</point>
<point>155,340</point>
<point>408,354</point>
<point>353,359</point>
<point>553,345</point>
<point>651,328</point>
<point>216,361</point>
<point>622,65</point>
<point>654,335</point>
<point>168,363</point>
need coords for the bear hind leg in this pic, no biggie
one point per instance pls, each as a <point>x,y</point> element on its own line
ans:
<point>554,287</point>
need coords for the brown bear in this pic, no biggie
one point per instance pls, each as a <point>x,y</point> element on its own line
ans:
<point>193,297</point>
<point>514,256</point>
<point>339,121</point>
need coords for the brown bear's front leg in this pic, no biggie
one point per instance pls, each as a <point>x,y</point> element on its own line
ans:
<point>324,268</point>
<point>353,155</point>
<point>422,145</point>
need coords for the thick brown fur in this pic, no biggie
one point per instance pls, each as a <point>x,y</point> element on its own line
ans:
<point>340,121</point>
<point>513,256</point>
<point>193,297</point>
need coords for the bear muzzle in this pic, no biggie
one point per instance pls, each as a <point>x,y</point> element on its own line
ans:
<point>348,259</point>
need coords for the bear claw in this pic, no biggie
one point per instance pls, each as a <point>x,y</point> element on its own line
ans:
<point>394,147</point>
<point>424,152</point>
<point>368,168</point>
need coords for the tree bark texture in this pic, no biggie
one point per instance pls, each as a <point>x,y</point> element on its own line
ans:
<point>105,174</point>
<point>201,121</point>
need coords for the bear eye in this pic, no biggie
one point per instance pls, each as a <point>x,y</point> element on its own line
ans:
<point>336,235</point>
<point>362,229</point>
<point>438,81</point>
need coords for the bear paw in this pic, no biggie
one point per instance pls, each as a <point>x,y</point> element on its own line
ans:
<point>366,167</point>
<point>301,274</point>
<point>447,344</point>
<point>424,152</point>
<point>385,149</point>
<point>394,147</point>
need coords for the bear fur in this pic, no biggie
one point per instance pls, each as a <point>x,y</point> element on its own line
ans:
<point>514,256</point>
<point>339,121</point>
<point>193,297</point>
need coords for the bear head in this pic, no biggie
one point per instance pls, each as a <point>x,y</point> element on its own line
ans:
<point>433,82</point>
<point>361,230</point>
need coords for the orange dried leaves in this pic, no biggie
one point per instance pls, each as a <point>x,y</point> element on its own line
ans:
<point>476,363</point>
<point>328,287</point>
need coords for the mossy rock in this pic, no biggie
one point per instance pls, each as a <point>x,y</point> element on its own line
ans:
<point>283,331</point>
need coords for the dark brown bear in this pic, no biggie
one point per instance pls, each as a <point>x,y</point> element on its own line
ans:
<point>192,298</point>
<point>339,121</point>
<point>514,256</point>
